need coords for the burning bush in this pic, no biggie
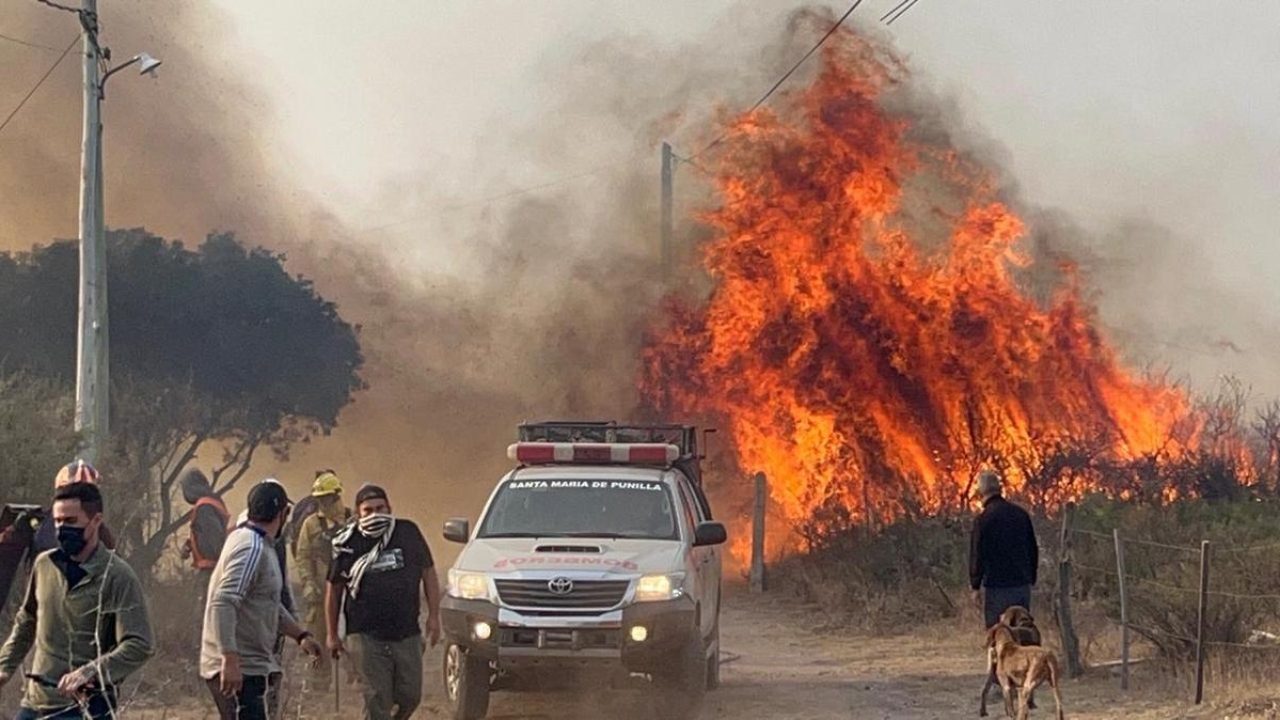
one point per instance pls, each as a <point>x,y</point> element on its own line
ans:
<point>871,340</point>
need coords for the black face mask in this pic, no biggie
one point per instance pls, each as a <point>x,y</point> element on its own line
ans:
<point>71,540</point>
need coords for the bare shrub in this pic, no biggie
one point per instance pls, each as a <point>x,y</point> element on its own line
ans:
<point>893,577</point>
<point>1162,563</point>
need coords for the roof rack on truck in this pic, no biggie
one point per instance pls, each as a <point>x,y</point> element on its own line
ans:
<point>683,437</point>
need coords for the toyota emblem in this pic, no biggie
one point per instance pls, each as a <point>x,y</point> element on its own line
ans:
<point>560,586</point>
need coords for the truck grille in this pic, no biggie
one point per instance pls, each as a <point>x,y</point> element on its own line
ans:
<point>583,594</point>
<point>561,639</point>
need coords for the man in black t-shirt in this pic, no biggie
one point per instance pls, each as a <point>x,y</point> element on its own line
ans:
<point>379,563</point>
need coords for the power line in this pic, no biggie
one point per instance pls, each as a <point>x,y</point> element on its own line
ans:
<point>56,6</point>
<point>40,82</point>
<point>905,5</point>
<point>20,41</point>
<point>594,171</point>
<point>787,75</point>
<point>895,9</point>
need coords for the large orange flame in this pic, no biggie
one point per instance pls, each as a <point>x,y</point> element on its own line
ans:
<point>869,341</point>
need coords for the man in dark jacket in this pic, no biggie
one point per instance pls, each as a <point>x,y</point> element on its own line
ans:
<point>1003,554</point>
<point>209,518</point>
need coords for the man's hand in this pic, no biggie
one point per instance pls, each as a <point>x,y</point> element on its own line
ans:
<point>311,647</point>
<point>433,629</point>
<point>231,679</point>
<point>336,648</point>
<point>74,682</point>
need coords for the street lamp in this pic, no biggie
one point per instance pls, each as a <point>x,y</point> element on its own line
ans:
<point>148,67</point>
<point>91,340</point>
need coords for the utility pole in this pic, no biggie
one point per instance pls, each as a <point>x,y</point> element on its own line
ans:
<point>91,345</point>
<point>92,409</point>
<point>668,178</point>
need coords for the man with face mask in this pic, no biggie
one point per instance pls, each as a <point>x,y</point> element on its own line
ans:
<point>245,611</point>
<point>84,613</point>
<point>379,564</point>
<point>46,537</point>
<point>313,555</point>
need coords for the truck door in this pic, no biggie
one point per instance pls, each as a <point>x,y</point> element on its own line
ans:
<point>705,562</point>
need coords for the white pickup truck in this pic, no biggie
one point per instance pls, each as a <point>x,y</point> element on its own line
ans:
<point>595,561</point>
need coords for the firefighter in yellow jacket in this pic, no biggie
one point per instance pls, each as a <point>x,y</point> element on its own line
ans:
<point>314,553</point>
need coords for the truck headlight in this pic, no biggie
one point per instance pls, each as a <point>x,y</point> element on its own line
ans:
<point>468,586</point>
<point>651,588</point>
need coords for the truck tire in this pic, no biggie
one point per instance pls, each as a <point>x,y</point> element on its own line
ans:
<point>713,660</point>
<point>682,689</point>
<point>466,684</point>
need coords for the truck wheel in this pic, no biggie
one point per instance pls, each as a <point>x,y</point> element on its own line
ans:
<point>713,662</point>
<point>683,688</point>
<point>466,684</point>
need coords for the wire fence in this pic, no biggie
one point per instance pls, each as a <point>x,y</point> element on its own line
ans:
<point>1182,605</point>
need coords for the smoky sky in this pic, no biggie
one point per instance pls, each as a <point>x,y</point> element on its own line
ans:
<point>1129,141</point>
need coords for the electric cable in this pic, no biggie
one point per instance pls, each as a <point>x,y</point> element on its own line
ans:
<point>39,82</point>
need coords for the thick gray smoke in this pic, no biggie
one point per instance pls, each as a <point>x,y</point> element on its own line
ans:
<point>548,293</point>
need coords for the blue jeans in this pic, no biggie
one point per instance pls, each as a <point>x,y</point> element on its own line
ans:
<point>996,600</point>
<point>99,708</point>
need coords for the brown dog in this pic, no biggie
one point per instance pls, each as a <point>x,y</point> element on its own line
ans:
<point>1024,629</point>
<point>1022,624</point>
<point>1020,670</point>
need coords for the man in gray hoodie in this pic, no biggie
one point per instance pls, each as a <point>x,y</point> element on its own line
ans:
<point>244,613</point>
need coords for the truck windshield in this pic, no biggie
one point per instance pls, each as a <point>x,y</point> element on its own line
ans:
<point>582,508</point>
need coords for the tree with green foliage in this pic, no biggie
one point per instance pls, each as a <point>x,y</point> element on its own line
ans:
<point>35,436</point>
<point>216,350</point>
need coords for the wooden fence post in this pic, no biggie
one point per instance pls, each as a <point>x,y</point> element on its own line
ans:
<point>757,577</point>
<point>1070,643</point>
<point>1200,620</point>
<point>1124,613</point>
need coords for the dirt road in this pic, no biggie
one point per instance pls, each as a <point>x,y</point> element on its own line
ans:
<point>784,666</point>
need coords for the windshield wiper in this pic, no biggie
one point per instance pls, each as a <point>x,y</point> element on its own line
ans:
<point>512,535</point>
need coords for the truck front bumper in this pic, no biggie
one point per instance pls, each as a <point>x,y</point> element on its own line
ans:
<point>517,640</point>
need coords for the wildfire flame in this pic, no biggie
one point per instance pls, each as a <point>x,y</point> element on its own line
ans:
<point>870,342</point>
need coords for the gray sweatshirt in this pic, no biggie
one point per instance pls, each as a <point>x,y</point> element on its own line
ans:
<point>243,612</point>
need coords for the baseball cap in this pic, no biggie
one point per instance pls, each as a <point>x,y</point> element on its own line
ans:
<point>369,491</point>
<point>267,500</point>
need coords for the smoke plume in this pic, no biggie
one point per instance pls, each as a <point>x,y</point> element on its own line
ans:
<point>548,294</point>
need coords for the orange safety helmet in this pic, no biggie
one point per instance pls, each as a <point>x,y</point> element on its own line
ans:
<point>76,472</point>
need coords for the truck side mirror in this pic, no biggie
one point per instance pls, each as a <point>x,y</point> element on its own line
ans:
<point>457,530</point>
<point>709,533</point>
<point>706,442</point>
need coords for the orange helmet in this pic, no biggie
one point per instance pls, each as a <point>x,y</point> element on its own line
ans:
<point>76,472</point>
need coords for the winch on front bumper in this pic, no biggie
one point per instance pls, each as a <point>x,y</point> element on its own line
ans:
<point>638,638</point>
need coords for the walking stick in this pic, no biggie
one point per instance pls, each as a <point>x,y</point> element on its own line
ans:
<point>337,687</point>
